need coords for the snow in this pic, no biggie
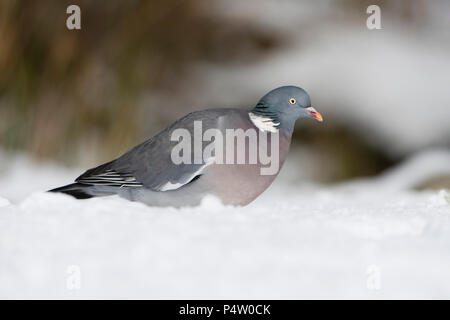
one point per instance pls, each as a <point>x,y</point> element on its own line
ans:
<point>360,239</point>
<point>417,169</point>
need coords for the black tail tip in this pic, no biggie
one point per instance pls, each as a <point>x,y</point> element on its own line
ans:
<point>75,190</point>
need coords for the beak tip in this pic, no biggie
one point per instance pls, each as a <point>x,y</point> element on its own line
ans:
<point>314,114</point>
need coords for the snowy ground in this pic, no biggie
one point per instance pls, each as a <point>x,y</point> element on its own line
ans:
<point>365,239</point>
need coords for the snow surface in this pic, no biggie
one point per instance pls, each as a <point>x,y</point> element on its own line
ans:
<point>373,238</point>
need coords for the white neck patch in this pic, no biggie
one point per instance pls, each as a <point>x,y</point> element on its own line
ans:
<point>263,123</point>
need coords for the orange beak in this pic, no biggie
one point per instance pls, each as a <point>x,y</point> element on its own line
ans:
<point>314,114</point>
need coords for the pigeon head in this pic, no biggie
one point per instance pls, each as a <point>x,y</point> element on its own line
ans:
<point>285,105</point>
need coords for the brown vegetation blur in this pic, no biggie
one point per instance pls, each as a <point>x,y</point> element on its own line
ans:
<point>65,93</point>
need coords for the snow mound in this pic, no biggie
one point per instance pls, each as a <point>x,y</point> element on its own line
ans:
<point>4,202</point>
<point>358,240</point>
<point>418,169</point>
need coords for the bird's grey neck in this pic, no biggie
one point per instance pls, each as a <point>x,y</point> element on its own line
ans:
<point>287,123</point>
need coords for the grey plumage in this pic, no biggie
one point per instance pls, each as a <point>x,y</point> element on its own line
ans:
<point>147,173</point>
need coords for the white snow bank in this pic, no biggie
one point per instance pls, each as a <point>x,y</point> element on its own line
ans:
<point>417,170</point>
<point>412,173</point>
<point>296,241</point>
<point>20,176</point>
<point>4,202</point>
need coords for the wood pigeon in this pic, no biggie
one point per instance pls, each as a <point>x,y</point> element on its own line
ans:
<point>154,172</point>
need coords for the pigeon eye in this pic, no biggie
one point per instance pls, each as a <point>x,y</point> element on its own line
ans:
<point>292,101</point>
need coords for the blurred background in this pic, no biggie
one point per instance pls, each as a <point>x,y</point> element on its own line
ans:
<point>81,97</point>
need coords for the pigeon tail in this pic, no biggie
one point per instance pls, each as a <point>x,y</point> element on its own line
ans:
<point>77,190</point>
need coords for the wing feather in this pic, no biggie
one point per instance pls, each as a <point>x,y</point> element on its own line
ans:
<point>150,165</point>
